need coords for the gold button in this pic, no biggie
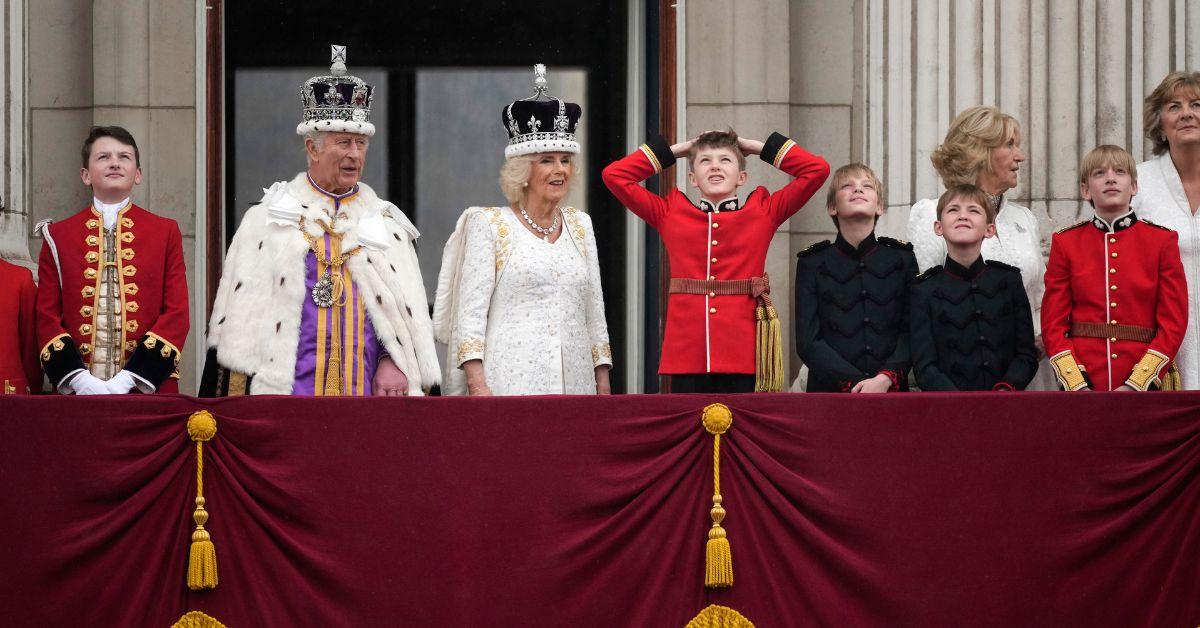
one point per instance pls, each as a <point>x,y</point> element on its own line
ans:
<point>89,273</point>
<point>1114,356</point>
<point>1113,304</point>
<point>85,329</point>
<point>1112,339</point>
<point>714,242</point>
<point>87,292</point>
<point>92,257</point>
<point>712,310</point>
<point>1070,370</point>
<point>1114,254</point>
<point>85,348</point>
<point>712,276</point>
<point>1112,271</point>
<point>1113,322</point>
<point>715,225</point>
<point>1112,240</point>
<point>1112,287</point>
<point>93,240</point>
<point>714,260</point>
<point>1145,368</point>
<point>712,294</point>
<point>86,311</point>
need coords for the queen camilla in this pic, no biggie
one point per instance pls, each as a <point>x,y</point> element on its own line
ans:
<point>519,302</point>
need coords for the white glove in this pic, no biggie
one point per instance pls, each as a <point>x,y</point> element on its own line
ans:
<point>87,384</point>
<point>120,383</point>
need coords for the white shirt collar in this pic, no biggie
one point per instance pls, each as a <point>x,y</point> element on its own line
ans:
<point>109,211</point>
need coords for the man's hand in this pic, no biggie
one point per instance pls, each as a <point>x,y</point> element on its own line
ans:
<point>879,384</point>
<point>1124,387</point>
<point>750,147</point>
<point>84,383</point>
<point>389,380</point>
<point>120,384</point>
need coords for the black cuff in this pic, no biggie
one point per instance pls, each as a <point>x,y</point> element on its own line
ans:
<point>60,358</point>
<point>662,152</point>
<point>216,380</point>
<point>773,146</point>
<point>153,360</point>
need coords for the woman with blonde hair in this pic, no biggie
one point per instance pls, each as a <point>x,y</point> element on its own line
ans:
<point>1169,191</point>
<point>519,302</point>
<point>983,148</point>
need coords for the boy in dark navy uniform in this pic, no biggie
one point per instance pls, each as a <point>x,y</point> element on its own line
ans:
<point>852,295</point>
<point>972,328</point>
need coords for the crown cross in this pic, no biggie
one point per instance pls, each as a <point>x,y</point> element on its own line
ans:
<point>338,60</point>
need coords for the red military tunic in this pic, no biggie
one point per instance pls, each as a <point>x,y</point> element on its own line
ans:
<point>711,333</point>
<point>1115,308</point>
<point>19,369</point>
<point>153,294</point>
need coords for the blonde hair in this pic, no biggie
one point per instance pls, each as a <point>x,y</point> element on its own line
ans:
<point>845,172</point>
<point>969,192</point>
<point>1104,156</point>
<point>1153,106</point>
<point>968,145</point>
<point>514,176</point>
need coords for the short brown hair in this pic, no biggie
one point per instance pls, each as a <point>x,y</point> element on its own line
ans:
<point>1153,106</point>
<point>717,139</point>
<point>967,149</point>
<point>1104,156</point>
<point>970,193</point>
<point>115,132</point>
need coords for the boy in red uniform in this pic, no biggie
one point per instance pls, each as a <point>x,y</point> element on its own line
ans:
<point>19,369</point>
<point>1116,301</point>
<point>719,301</point>
<point>112,299</point>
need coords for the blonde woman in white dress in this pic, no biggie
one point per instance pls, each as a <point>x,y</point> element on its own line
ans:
<point>983,148</point>
<point>519,301</point>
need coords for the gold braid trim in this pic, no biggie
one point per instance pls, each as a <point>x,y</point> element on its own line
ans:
<point>716,616</point>
<point>782,151</point>
<point>646,150</point>
<point>196,619</point>
<point>1146,372</point>
<point>1068,372</point>
<point>57,343</point>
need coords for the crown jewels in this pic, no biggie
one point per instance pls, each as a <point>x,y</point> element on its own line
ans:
<point>337,102</point>
<point>525,120</point>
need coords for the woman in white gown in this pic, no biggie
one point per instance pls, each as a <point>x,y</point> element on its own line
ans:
<point>983,148</point>
<point>519,302</point>
<point>1169,192</point>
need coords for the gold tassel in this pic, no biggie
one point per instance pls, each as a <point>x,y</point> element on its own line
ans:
<point>1172,379</point>
<point>202,559</point>
<point>768,350</point>
<point>718,558</point>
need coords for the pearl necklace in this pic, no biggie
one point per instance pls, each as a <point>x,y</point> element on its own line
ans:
<point>545,231</point>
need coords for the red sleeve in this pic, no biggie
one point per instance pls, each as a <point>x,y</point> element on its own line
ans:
<point>810,172</point>
<point>624,176</point>
<point>27,333</point>
<point>1057,300</point>
<point>1171,314</point>
<point>49,297</point>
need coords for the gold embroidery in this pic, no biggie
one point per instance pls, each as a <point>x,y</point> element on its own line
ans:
<point>56,344</point>
<point>150,342</point>
<point>503,243</point>
<point>130,345</point>
<point>127,254</point>
<point>127,237</point>
<point>129,271</point>
<point>1145,373</point>
<point>165,351</point>
<point>469,347</point>
<point>127,222</point>
<point>131,288</point>
<point>88,291</point>
<point>85,348</point>
<point>91,257</point>
<point>93,240</point>
<point>85,329</point>
<point>93,224</point>
<point>599,351</point>
<point>86,311</point>
<point>1069,373</point>
<point>131,326</point>
<point>9,389</point>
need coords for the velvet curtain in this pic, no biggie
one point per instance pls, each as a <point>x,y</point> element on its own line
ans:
<point>1015,509</point>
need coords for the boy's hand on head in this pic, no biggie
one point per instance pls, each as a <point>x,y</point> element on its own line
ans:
<point>750,147</point>
<point>681,149</point>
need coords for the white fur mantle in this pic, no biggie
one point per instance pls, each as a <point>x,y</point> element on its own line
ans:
<point>255,324</point>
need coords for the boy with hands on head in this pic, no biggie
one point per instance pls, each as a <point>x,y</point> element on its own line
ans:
<point>717,248</point>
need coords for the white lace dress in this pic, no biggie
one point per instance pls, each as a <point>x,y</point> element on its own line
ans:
<point>1161,200</point>
<point>1016,243</point>
<point>533,311</point>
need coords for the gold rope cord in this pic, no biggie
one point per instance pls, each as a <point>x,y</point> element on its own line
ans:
<point>718,559</point>
<point>196,619</point>
<point>717,616</point>
<point>202,558</point>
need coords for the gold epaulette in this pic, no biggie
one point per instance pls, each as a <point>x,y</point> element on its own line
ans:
<point>1070,227</point>
<point>895,243</point>
<point>813,248</point>
<point>1155,224</point>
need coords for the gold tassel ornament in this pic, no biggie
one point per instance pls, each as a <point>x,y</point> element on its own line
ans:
<point>718,559</point>
<point>768,345</point>
<point>202,560</point>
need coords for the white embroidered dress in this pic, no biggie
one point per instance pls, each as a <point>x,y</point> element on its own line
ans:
<point>1161,200</point>
<point>532,310</point>
<point>1016,243</point>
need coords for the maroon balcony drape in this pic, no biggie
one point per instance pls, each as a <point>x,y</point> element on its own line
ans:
<point>1019,509</point>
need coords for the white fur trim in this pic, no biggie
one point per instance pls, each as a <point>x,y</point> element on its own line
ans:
<point>532,147</point>
<point>255,323</point>
<point>336,126</point>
